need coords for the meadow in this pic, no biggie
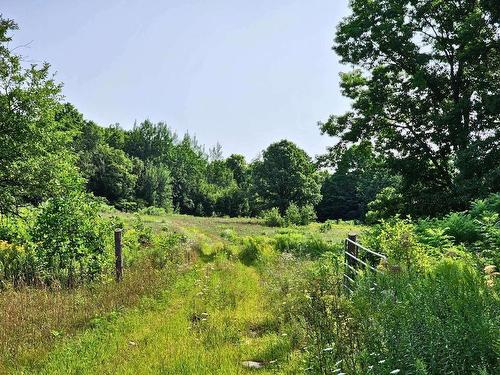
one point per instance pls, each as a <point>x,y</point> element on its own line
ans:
<point>232,296</point>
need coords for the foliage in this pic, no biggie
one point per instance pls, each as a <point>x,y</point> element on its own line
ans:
<point>154,186</point>
<point>387,203</point>
<point>35,162</point>
<point>301,244</point>
<point>112,175</point>
<point>69,239</point>
<point>273,218</point>
<point>253,249</point>
<point>424,91</point>
<point>442,321</point>
<point>18,265</point>
<point>461,226</point>
<point>285,175</point>
<point>153,211</point>
<point>359,176</point>
<point>296,215</point>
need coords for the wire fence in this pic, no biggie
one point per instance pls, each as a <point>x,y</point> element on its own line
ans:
<point>357,258</point>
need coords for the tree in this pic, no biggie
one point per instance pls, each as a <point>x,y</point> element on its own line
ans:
<point>426,93</point>
<point>359,176</point>
<point>237,164</point>
<point>188,167</point>
<point>149,141</point>
<point>112,176</point>
<point>285,175</point>
<point>35,161</point>
<point>155,186</point>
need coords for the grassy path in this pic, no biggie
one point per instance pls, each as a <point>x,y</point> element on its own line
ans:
<point>213,318</point>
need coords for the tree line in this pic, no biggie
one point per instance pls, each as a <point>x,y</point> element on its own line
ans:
<point>422,136</point>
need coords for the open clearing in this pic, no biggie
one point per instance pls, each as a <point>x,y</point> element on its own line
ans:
<point>214,318</point>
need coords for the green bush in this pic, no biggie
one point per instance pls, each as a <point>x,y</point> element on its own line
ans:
<point>296,215</point>
<point>253,249</point>
<point>153,211</point>
<point>481,206</point>
<point>292,215</point>
<point>167,249</point>
<point>397,239</point>
<point>18,264</point>
<point>273,218</point>
<point>69,238</point>
<point>461,226</point>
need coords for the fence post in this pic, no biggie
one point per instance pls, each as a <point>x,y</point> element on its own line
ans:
<point>352,249</point>
<point>118,255</point>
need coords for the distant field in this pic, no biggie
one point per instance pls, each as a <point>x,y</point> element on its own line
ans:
<point>212,227</point>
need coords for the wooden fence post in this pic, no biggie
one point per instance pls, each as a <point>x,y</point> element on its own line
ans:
<point>352,249</point>
<point>118,255</point>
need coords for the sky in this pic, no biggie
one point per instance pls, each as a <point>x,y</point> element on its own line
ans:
<point>242,73</point>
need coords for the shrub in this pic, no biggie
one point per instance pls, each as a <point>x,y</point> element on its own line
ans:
<point>69,238</point>
<point>153,211</point>
<point>17,264</point>
<point>273,218</point>
<point>307,214</point>
<point>480,206</point>
<point>167,249</point>
<point>296,215</point>
<point>253,249</point>
<point>292,215</point>
<point>144,232</point>
<point>398,241</point>
<point>462,227</point>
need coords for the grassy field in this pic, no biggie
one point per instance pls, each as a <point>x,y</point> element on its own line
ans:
<point>209,315</point>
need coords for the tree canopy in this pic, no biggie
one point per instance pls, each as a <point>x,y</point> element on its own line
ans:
<point>426,93</point>
<point>286,175</point>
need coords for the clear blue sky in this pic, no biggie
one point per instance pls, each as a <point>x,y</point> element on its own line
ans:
<point>244,73</point>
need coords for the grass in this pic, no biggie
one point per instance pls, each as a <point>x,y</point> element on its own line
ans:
<point>204,325</point>
<point>207,317</point>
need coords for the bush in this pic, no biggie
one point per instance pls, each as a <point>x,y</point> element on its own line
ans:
<point>17,264</point>
<point>253,249</point>
<point>489,205</point>
<point>445,320</point>
<point>153,211</point>
<point>307,214</point>
<point>167,249</point>
<point>397,240</point>
<point>292,215</point>
<point>387,203</point>
<point>462,227</point>
<point>273,218</point>
<point>68,236</point>
<point>296,215</point>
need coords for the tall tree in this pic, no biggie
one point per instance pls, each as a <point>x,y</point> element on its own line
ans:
<point>286,175</point>
<point>35,160</point>
<point>426,93</point>
<point>149,141</point>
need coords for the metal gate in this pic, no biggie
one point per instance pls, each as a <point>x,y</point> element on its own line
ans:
<point>355,256</point>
